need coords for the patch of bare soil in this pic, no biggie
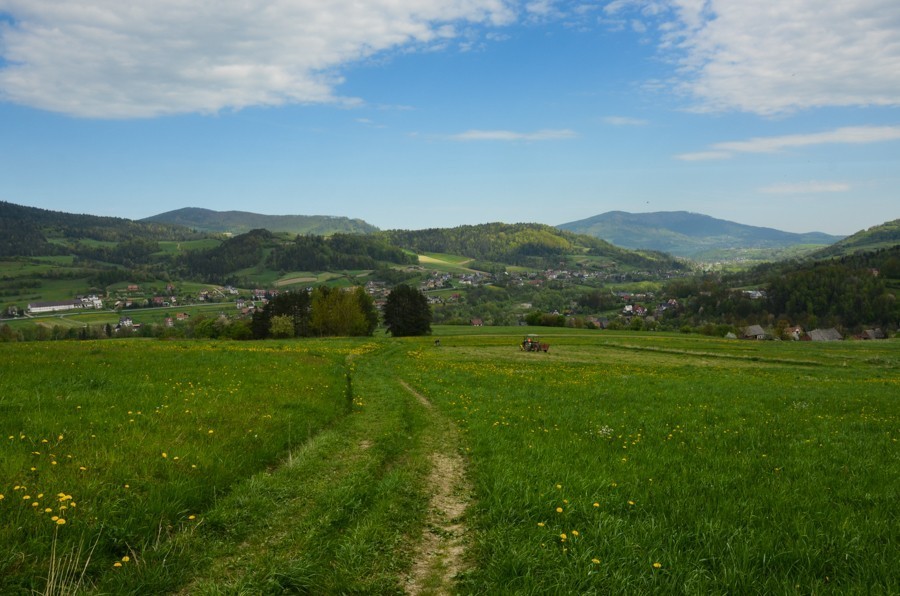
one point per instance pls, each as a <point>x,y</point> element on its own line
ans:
<point>441,553</point>
<point>422,399</point>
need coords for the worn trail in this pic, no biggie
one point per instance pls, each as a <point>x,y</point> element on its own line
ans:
<point>441,554</point>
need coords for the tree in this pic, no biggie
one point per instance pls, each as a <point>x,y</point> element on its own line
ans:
<point>407,312</point>
<point>282,326</point>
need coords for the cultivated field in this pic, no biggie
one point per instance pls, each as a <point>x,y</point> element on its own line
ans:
<point>614,463</point>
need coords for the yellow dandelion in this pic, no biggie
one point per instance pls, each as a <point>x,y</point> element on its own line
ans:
<point>54,518</point>
<point>574,532</point>
<point>559,509</point>
<point>563,537</point>
<point>35,504</point>
<point>192,517</point>
<point>540,524</point>
<point>164,454</point>
<point>48,510</point>
<point>60,522</point>
<point>596,504</point>
<point>117,564</point>
<point>657,565</point>
<point>631,502</point>
<point>559,486</point>
<point>595,561</point>
<point>126,558</point>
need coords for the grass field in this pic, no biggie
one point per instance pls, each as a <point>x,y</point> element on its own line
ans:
<point>614,463</point>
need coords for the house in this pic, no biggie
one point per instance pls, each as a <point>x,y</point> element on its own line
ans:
<point>477,323</point>
<point>831,334</point>
<point>873,334</point>
<point>754,332</point>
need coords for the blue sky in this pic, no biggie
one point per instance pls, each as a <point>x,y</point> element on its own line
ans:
<point>435,113</point>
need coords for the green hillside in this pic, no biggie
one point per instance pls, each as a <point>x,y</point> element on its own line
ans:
<point>239,222</point>
<point>885,235</point>
<point>530,245</point>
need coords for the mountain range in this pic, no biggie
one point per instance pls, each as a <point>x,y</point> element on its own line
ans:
<point>239,222</point>
<point>691,235</point>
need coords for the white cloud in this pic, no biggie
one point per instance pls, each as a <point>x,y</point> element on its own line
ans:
<point>114,59</point>
<point>777,56</point>
<point>624,121</point>
<point>851,135</point>
<point>848,135</point>
<point>509,135</point>
<point>703,156</point>
<point>793,188</point>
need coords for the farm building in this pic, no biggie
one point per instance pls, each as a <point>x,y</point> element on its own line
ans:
<point>754,332</point>
<point>831,334</point>
<point>38,307</point>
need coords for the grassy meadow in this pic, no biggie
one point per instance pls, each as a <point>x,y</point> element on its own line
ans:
<point>614,463</point>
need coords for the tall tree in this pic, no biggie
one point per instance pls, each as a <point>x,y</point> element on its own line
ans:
<point>407,312</point>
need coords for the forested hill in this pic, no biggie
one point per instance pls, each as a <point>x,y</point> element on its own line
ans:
<point>884,236</point>
<point>29,231</point>
<point>687,234</point>
<point>522,244</point>
<point>239,222</point>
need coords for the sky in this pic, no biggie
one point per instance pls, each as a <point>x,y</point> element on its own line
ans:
<point>418,114</point>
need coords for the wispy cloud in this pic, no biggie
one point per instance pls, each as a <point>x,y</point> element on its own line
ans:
<point>853,135</point>
<point>848,135</point>
<point>624,121</point>
<point>810,187</point>
<point>776,56</point>
<point>703,156</point>
<point>509,135</point>
<point>111,59</point>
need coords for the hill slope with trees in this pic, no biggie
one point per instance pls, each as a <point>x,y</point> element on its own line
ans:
<point>239,222</point>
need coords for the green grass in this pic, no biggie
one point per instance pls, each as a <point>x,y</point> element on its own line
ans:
<point>143,435</point>
<point>671,463</point>
<point>737,467</point>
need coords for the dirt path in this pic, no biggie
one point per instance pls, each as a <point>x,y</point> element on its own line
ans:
<point>441,553</point>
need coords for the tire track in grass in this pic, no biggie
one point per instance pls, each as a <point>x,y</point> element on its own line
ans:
<point>441,552</point>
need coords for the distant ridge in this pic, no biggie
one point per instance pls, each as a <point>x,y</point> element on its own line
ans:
<point>690,235</point>
<point>239,222</point>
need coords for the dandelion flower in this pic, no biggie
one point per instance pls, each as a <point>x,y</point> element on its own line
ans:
<point>192,517</point>
<point>631,502</point>
<point>657,565</point>
<point>540,524</point>
<point>596,504</point>
<point>563,537</point>
<point>574,532</point>
<point>595,561</point>
<point>60,522</point>
<point>559,510</point>
<point>126,558</point>
<point>559,486</point>
<point>164,454</point>
<point>54,518</point>
<point>117,564</point>
<point>48,510</point>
